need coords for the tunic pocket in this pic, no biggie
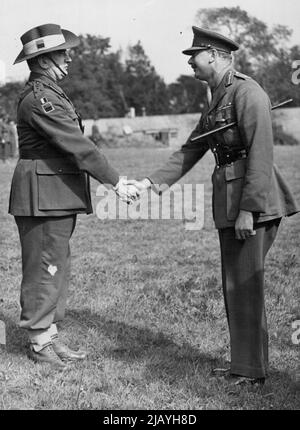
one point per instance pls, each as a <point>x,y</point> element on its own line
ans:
<point>61,185</point>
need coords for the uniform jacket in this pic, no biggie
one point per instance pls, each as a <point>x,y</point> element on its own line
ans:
<point>253,184</point>
<point>56,183</point>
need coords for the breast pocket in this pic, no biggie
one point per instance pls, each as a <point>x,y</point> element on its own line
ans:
<point>226,115</point>
<point>61,185</point>
<point>234,178</point>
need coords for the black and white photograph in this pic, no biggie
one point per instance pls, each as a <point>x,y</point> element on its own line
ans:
<point>149,208</point>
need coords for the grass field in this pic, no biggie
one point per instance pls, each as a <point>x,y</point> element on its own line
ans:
<point>145,301</point>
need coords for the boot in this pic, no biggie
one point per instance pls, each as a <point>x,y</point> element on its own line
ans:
<point>65,353</point>
<point>46,355</point>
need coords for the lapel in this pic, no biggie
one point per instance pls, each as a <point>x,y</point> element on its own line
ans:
<point>221,89</point>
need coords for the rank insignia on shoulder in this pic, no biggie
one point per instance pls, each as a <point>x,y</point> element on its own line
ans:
<point>46,105</point>
<point>229,79</point>
<point>241,75</point>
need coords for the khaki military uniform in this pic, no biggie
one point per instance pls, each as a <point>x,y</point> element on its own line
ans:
<point>50,186</point>
<point>50,177</point>
<point>246,178</point>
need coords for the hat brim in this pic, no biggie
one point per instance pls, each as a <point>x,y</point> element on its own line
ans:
<point>193,49</point>
<point>71,41</point>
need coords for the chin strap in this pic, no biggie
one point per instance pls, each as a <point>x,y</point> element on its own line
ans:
<point>56,65</point>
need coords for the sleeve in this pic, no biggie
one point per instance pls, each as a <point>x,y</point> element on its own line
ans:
<point>180,161</point>
<point>255,125</point>
<point>61,131</point>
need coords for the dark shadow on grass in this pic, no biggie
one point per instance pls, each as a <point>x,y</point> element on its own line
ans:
<point>163,359</point>
<point>16,339</point>
<point>180,365</point>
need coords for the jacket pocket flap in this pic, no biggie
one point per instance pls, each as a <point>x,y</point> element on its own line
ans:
<point>219,117</point>
<point>56,166</point>
<point>235,170</point>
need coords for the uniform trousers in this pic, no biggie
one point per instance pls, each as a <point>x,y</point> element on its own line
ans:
<point>243,288</point>
<point>45,269</point>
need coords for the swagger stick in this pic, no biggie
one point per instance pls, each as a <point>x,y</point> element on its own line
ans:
<point>231,124</point>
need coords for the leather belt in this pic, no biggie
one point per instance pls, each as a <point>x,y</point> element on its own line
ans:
<point>223,158</point>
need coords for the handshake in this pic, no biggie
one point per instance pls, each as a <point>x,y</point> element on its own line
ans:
<point>130,190</point>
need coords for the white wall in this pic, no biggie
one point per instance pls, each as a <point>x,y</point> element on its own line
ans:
<point>2,73</point>
<point>289,118</point>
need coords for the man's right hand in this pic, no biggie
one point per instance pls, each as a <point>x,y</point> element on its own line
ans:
<point>126,192</point>
<point>129,189</point>
<point>140,185</point>
<point>244,225</point>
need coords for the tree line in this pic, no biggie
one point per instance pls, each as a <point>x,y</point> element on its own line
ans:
<point>104,85</point>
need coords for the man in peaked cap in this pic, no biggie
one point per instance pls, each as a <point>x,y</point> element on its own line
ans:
<point>249,195</point>
<point>50,186</point>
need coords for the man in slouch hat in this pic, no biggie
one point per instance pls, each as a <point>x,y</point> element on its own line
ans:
<point>50,186</point>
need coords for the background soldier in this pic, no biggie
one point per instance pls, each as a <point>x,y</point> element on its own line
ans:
<point>4,138</point>
<point>13,138</point>
<point>50,187</point>
<point>96,136</point>
<point>249,195</point>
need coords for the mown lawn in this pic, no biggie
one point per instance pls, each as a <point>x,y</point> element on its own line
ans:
<point>145,301</point>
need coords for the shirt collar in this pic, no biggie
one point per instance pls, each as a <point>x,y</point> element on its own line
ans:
<point>46,79</point>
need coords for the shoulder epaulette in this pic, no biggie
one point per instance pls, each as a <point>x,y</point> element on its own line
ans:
<point>229,78</point>
<point>241,76</point>
<point>38,88</point>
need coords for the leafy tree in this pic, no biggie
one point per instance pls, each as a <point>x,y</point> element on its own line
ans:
<point>9,95</point>
<point>187,95</point>
<point>277,78</point>
<point>258,43</point>
<point>101,86</point>
<point>95,75</point>
<point>143,87</point>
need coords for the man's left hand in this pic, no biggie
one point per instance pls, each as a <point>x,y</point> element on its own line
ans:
<point>244,225</point>
<point>127,193</point>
